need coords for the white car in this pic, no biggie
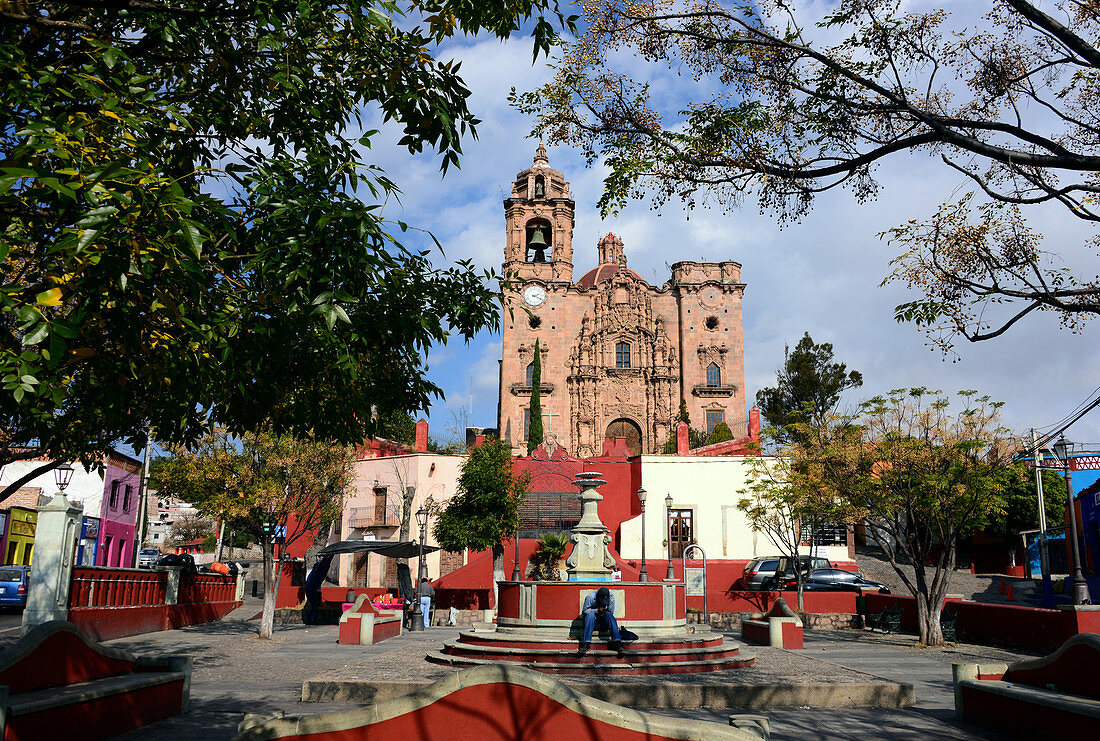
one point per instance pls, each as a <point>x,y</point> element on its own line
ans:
<point>147,557</point>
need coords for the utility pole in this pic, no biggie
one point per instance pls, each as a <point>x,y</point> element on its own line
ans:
<point>1044,555</point>
<point>143,498</point>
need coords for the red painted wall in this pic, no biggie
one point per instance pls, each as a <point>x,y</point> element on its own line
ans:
<point>489,712</point>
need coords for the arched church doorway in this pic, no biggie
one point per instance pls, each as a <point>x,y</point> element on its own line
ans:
<point>629,429</point>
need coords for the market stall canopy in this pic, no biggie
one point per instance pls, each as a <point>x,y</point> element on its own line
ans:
<point>391,548</point>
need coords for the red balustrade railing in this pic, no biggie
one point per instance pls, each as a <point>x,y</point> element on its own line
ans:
<point>206,588</point>
<point>95,586</point>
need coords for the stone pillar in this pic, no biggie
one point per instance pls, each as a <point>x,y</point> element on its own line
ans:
<point>239,594</point>
<point>681,438</point>
<point>52,573</point>
<point>422,436</point>
<point>172,588</point>
<point>590,559</point>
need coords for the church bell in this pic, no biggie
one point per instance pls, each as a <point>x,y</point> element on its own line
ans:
<point>539,244</point>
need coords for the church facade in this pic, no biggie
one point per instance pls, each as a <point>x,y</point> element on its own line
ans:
<point>618,354</point>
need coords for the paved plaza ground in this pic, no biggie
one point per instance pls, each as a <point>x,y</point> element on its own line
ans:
<point>236,673</point>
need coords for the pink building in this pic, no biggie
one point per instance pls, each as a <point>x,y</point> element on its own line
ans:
<point>118,523</point>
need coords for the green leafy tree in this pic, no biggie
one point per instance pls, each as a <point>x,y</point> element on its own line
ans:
<point>696,438</point>
<point>485,511</point>
<point>795,99</point>
<point>1018,505</point>
<point>535,435</point>
<point>808,386</point>
<point>787,503</point>
<point>720,434</point>
<point>190,232</point>
<point>268,486</point>
<point>919,476</point>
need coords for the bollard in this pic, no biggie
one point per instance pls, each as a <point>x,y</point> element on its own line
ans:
<point>255,587</point>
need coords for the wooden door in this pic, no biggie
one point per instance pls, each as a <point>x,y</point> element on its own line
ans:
<point>628,429</point>
<point>681,530</point>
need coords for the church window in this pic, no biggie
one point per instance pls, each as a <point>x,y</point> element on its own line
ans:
<point>714,375</point>
<point>540,187</point>
<point>715,417</point>
<point>534,322</point>
<point>531,374</point>
<point>526,423</point>
<point>711,322</point>
<point>622,355</point>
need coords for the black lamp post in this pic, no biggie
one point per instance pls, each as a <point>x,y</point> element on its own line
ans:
<point>421,571</point>
<point>642,575</point>
<point>62,475</point>
<point>670,574</point>
<point>1078,587</point>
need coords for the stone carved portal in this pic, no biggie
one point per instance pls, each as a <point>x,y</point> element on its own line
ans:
<point>609,386</point>
<point>628,429</point>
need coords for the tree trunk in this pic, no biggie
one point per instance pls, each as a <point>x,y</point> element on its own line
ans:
<point>498,569</point>
<point>271,583</point>
<point>928,620</point>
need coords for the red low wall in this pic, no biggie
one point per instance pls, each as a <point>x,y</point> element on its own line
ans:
<point>977,622</point>
<point>110,603</point>
<point>818,603</point>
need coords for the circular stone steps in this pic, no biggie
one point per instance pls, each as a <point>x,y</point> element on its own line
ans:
<point>678,654</point>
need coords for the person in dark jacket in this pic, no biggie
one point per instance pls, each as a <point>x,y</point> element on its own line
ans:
<point>599,607</point>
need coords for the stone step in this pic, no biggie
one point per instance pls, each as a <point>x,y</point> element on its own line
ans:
<point>519,640</point>
<point>622,666</point>
<point>597,654</point>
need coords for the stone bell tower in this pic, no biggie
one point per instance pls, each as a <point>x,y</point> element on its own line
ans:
<point>539,218</point>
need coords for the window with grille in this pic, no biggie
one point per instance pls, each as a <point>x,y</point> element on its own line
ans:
<point>531,374</point>
<point>526,424</point>
<point>622,355</point>
<point>715,417</point>
<point>113,502</point>
<point>126,498</point>
<point>714,375</point>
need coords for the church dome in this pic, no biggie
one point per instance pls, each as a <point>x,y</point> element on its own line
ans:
<point>612,260</point>
<point>602,273</point>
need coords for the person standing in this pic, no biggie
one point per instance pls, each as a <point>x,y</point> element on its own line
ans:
<point>599,607</point>
<point>426,592</point>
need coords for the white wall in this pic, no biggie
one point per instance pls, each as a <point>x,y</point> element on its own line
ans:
<point>711,487</point>
<point>85,487</point>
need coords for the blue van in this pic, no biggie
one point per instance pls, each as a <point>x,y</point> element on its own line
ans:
<point>14,583</point>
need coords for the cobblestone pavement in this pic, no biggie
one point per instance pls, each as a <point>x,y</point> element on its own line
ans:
<point>236,673</point>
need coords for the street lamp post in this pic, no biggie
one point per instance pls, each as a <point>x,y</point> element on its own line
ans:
<point>62,475</point>
<point>517,575</point>
<point>1078,587</point>
<point>421,572</point>
<point>642,575</point>
<point>670,575</point>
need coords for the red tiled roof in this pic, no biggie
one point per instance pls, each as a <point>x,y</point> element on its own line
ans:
<point>24,496</point>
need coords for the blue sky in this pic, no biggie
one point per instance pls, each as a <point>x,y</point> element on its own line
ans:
<point>820,275</point>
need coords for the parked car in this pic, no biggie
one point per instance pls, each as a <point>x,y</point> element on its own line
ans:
<point>784,571</point>
<point>14,583</point>
<point>147,557</point>
<point>838,580</point>
<point>760,573</point>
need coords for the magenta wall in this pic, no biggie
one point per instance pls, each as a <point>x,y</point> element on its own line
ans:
<point>117,526</point>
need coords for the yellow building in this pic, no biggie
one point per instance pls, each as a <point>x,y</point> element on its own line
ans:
<point>20,539</point>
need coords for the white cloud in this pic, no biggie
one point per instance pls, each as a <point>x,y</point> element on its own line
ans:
<point>819,276</point>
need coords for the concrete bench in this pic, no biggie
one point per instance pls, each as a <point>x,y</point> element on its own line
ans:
<point>363,624</point>
<point>56,683</point>
<point>779,627</point>
<point>1033,696</point>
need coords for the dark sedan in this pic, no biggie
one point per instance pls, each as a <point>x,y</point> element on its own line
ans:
<point>838,580</point>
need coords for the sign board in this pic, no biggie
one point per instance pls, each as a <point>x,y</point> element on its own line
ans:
<point>695,583</point>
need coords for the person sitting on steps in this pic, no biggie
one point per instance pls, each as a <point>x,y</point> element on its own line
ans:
<point>599,606</point>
